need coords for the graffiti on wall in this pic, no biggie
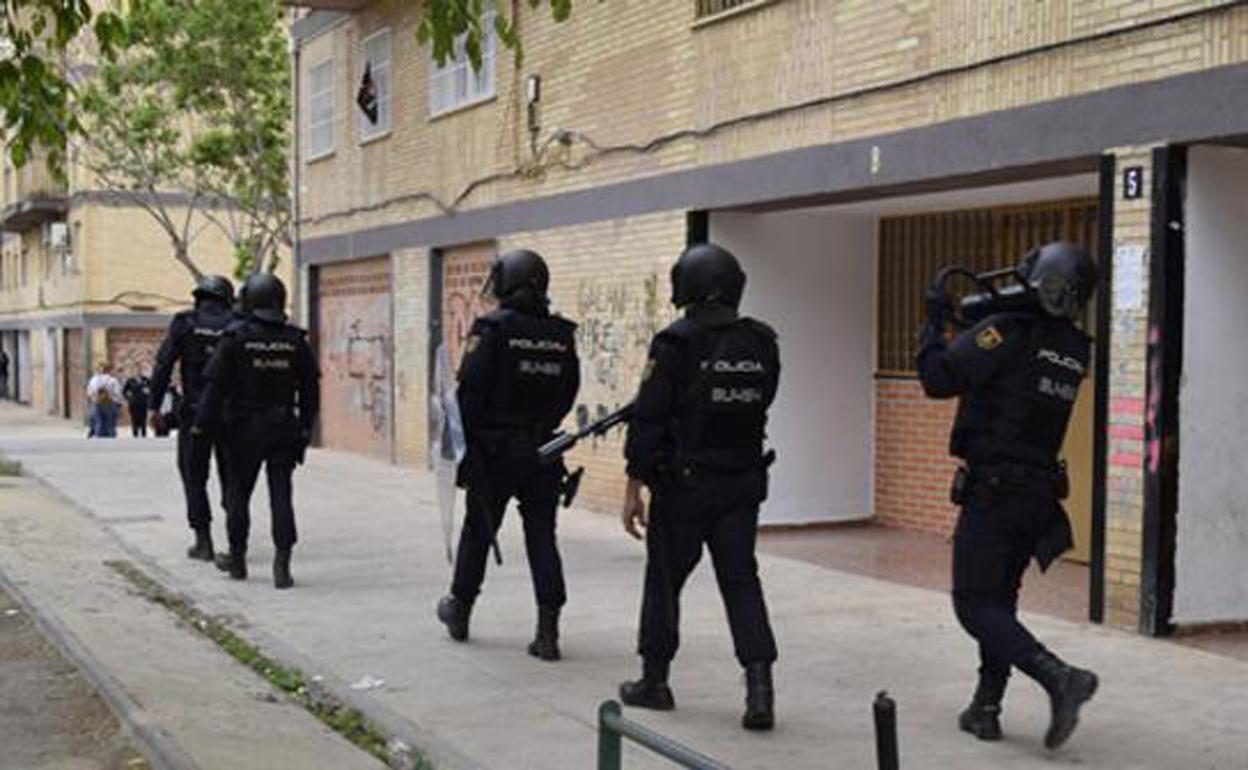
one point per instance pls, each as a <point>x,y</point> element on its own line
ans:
<point>356,349</point>
<point>368,359</point>
<point>464,271</point>
<point>617,318</point>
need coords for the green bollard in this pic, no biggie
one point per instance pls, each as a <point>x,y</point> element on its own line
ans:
<point>610,750</point>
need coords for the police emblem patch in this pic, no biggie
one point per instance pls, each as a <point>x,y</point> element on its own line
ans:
<point>989,338</point>
<point>471,344</point>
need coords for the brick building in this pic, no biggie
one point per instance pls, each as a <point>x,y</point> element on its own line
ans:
<point>85,277</point>
<point>844,151</point>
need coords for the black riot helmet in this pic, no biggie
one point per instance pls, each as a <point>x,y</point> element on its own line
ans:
<point>1063,276</point>
<point>707,274</point>
<point>216,287</point>
<point>266,297</point>
<point>520,274</point>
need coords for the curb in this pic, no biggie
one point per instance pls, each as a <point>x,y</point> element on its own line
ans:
<point>396,726</point>
<point>160,749</point>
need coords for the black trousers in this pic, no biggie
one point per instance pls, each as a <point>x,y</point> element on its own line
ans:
<point>194,458</point>
<point>255,442</point>
<point>721,512</point>
<point>138,419</point>
<point>536,488</point>
<point>995,539</point>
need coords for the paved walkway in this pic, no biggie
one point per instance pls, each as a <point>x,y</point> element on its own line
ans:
<point>370,567</point>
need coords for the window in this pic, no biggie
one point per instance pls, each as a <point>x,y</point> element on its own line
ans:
<point>321,110</point>
<point>69,265</point>
<point>376,61</point>
<point>456,84</point>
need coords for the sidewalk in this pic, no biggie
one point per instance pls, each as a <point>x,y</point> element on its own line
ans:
<point>370,567</point>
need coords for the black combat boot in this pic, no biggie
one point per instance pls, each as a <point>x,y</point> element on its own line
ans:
<point>1068,688</point>
<point>760,697</point>
<point>454,613</point>
<point>983,717</point>
<point>546,644</point>
<point>651,691</point>
<point>281,570</point>
<point>234,563</point>
<point>202,550</point>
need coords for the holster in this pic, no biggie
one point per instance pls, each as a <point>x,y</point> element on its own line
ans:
<point>960,492</point>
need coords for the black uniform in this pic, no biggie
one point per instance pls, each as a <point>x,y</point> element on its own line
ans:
<point>1018,375</point>
<point>262,384</point>
<point>696,440</point>
<point>192,338</point>
<point>517,381</point>
<point>137,390</point>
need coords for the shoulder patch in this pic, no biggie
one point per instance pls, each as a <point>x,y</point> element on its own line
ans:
<point>988,338</point>
<point>471,344</point>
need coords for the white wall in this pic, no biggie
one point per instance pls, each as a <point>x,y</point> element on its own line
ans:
<point>1211,581</point>
<point>812,277</point>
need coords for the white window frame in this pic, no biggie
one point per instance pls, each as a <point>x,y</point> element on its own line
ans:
<point>384,84</point>
<point>456,86</point>
<point>324,122</point>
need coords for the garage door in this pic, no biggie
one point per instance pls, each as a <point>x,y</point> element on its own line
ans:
<point>356,356</point>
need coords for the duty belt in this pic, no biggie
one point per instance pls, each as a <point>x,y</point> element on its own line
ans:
<point>1022,477</point>
<point>690,468</point>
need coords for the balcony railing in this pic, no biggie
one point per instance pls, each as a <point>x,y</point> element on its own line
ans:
<point>31,196</point>
<point>705,9</point>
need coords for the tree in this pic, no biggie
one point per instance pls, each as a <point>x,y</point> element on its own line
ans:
<point>36,88</point>
<point>233,70</point>
<point>197,104</point>
<point>446,21</point>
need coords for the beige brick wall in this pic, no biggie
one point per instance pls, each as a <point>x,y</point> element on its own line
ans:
<point>612,279</point>
<point>126,252</point>
<point>411,345</point>
<point>629,72</point>
<point>1127,384</point>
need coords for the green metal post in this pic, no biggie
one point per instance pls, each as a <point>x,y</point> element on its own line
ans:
<point>610,753</point>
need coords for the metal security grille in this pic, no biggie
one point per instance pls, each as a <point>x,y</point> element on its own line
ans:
<point>913,248</point>
<point>707,8</point>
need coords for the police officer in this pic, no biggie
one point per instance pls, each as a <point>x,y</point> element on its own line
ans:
<point>517,381</point>
<point>263,383</point>
<point>1017,375</point>
<point>695,441</point>
<point>190,342</point>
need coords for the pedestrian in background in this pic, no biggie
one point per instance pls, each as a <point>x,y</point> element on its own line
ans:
<point>104,395</point>
<point>4,374</point>
<point>137,390</point>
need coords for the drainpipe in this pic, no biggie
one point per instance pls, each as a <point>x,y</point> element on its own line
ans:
<point>295,191</point>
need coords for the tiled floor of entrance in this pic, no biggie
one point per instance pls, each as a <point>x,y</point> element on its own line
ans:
<point>921,559</point>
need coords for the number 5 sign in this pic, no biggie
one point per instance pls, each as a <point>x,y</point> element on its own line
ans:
<point>1133,182</point>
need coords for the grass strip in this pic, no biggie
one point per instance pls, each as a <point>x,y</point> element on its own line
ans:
<point>305,691</point>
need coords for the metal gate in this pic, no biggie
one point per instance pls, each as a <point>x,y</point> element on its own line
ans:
<point>355,339</point>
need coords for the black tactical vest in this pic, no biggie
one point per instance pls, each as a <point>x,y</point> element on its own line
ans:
<point>206,325</point>
<point>727,382</point>
<point>268,367</point>
<point>1021,414</point>
<point>536,364</point>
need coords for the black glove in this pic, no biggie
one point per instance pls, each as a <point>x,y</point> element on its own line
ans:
<point>939,306</point>
<point>301,447</point>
